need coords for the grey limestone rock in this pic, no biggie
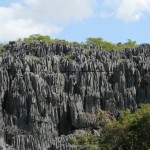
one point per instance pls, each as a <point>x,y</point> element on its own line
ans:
<point>44,96</point>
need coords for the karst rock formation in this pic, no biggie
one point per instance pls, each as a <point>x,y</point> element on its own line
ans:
<point>46,90</point>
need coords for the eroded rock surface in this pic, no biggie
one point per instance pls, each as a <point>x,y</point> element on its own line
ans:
<point>44,96</point>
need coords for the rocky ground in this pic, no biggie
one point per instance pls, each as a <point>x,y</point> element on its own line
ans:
<point>48,92</point>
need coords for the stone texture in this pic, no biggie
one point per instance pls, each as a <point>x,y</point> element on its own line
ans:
<point>44,96</point>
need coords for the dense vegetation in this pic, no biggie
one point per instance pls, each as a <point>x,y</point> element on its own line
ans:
<point>1,48</point>
<point>95,42</point>
<point>130,132</point>
<point>90,42</point>
<point>109,46</point>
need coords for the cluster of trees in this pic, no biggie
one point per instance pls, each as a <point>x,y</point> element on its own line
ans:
<point>109,46</point>
<point>36,38</point>
<point>130,132</point>
<point>95,42</point>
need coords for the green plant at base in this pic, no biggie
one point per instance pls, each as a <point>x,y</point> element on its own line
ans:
<point>84,140</point>
<point>130,132</point>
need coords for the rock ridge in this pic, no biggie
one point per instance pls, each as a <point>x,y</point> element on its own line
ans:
<point>49,90</point>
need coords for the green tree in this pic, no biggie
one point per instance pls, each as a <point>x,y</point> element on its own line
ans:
<point>19,40</point>
<point>37,38</point>
<point>130,44</point>
<point>94,41</point>
<point>130,132</point>
<point>62,41</point>
<point>104,44</point>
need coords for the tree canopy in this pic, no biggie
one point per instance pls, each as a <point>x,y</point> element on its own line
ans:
<point>94,42</point>
<point>109,46</point>
<point>37,38</point>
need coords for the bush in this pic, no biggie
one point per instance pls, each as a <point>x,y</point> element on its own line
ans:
<point>1,48</point>
<point>37,38</point>
<point>130,132</point>
<point>32,57</point>
<point>69,57</point>
<point>86,141</point>
<point>110,46</point>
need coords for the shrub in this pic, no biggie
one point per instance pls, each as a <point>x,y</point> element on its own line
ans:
<point>86,141</point>
<point>1,48</point>
<point>130,132</point>
<point>32,57</point>
<point>69,57</point>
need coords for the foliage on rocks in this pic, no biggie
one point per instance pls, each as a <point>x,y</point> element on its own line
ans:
<point>130,132</point>
<point>90,43</point>
<point>1,48</point>
<point>99,42</point>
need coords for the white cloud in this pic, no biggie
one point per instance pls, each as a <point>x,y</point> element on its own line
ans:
<point>28,17</point>
<point>128,10</point>
<point>104,14</point>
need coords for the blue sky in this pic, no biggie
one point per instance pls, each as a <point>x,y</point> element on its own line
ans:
<point>76,20</point>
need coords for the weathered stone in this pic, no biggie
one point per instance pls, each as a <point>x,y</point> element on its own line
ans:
<point>46,97</point>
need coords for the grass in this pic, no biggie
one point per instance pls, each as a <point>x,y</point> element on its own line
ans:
<point>32,57</point>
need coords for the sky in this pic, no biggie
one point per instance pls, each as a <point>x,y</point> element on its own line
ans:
<point>76,20</point>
